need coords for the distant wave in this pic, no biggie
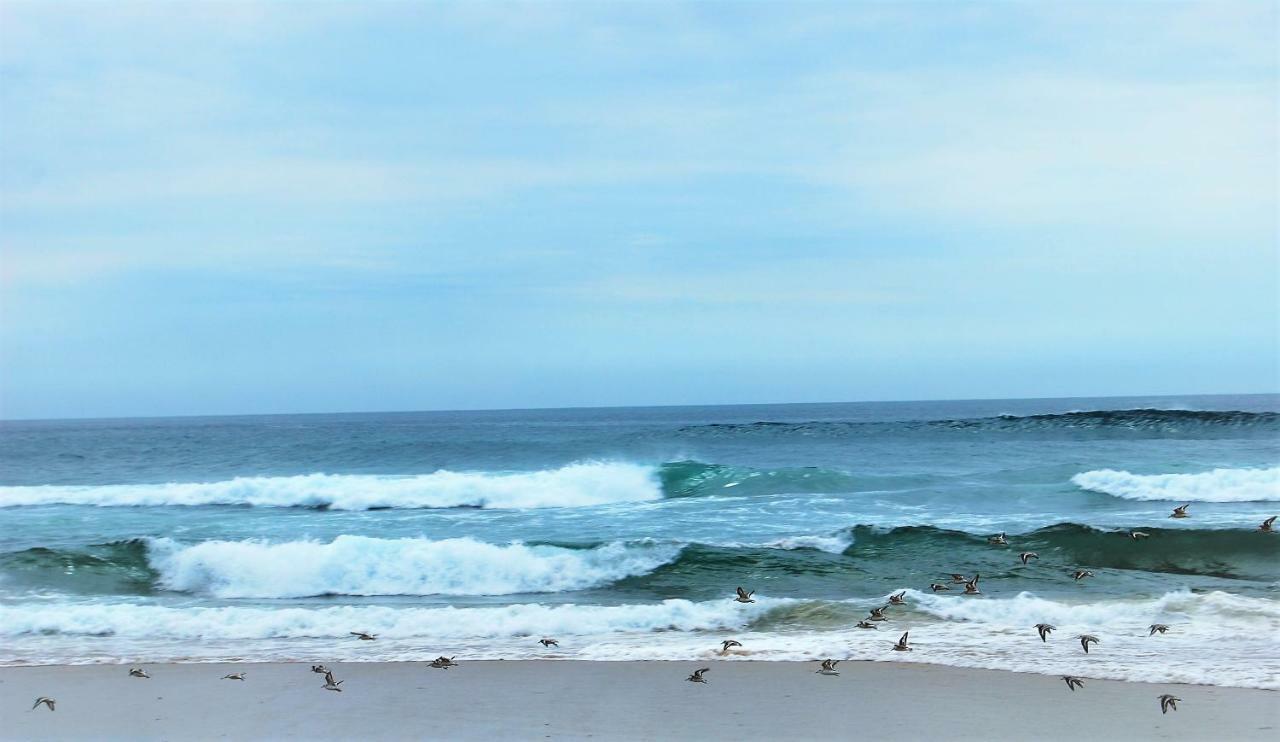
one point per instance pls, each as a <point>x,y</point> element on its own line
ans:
<point>1128,422</point>
<point>358,565</point>
<point>575,485</point>
<point>1219,485</point>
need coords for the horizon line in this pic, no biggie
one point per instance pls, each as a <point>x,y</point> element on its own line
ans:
<point>4,420</point>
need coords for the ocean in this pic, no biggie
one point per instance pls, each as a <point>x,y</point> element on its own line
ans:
<point>623,533</point>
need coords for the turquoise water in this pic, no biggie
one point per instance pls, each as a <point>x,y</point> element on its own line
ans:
<point>623,533</point>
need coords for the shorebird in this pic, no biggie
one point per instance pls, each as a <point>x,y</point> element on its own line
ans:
<point>897,598</point>
<point>363,636</point>
<point>877,614</point>
<point>867,625</point>
<point>46,701</point>
<point>901,646</point>
<point>1073,682</point>
<point>443,663</point>
<point>321,669</point>
<point>138,672</point>
<point>958,579</point>
<point>828,667</point>
<point>1044,629</point>
<point>937,587</point>
<point>971,586</point>
<point>696,677</point>
<point>330,683</point>
<point>1181,512</point>
<point>999,540</point>
<point>1135,535</point>
<point>233,676</point>
<point>1086,640</point>
<point>1157,627</point>
<point>744,596</point>
<point>549,643</point>
<point>728,644</point>
<point>1167,702</point>
<point>1028,555</point>
<point>1267,524</point>
<point>1080,574</point>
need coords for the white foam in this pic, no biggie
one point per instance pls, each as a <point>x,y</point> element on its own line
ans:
<point>357,565</point>
<point>1219,485</point>
<point>575,485</point>
<point>833,544</point>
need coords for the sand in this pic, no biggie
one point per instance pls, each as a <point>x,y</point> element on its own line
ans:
<point>612,700</point>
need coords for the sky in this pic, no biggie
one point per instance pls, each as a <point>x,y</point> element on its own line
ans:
<point>244,207</point>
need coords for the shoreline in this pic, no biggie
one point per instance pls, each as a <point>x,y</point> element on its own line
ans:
<point>576,699</point>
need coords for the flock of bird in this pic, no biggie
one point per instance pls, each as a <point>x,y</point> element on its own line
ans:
<point>1167,701</point>
<point>828,666</point>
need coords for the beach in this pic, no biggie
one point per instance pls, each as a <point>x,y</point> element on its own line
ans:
<point>538,699</point>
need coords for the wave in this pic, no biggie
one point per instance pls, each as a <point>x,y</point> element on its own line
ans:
<point>1219,485</point>
<point>575,485</point>
<point>526,619</point>
<point>358,565</point>
<point>1141,422</point>
<point>820,564</point>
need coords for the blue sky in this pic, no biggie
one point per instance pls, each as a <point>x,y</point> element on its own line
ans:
<point>274,207</point>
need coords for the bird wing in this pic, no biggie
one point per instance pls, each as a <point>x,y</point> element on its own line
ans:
<point>742,593</point>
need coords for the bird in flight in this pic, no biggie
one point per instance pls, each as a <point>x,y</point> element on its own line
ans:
<point>696,677</point>
<point>1044,629</point>
<point>744,596</point>
<point>46,701</point>
<point>1167,701</point>
<point>1073,682</point>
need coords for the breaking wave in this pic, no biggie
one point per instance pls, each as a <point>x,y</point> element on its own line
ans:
<point>1219,485</point>
<point>358,565</point>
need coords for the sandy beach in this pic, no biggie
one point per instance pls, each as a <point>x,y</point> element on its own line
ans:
<point>611,700</point>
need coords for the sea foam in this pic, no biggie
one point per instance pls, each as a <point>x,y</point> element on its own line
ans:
<point>358,565</point>
<point>575,485</point>
<point>1219,485</point>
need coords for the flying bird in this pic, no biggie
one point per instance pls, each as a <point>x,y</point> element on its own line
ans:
<point>1267,524</point>
<point>549,643</point>
<point>1073,682</point>
<point>696,677</point>
<point>1157,627</point>
<point>877,614</point>
<point>1086,640</point>
<point>897,598</point>
<point>443,663</point>
<point>999,540</point>
<point>46,701</point>
<point>330,683</point>
<point>1080,574</point>
<point>728,644</point>
<point>1028,555</point>
<point>1181,512</point>
<point>138,672</point>
<point>363,636</point>
<point>1167,702</point>
<point>744,596</point>
<point>867,625</point>
<point>1135,535</point>
<point>958,579</point>
<point>321,669</point>
<point>828,667</point>
<point>1044,629</point>
<point>233,676</point>
<point>971,586</point>
<point>937,587</point>
<point>901,646</point>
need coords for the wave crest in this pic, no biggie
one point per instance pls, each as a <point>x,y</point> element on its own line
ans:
<point>358,565</point>
<point>575,485</point>
<point>1219,485</point>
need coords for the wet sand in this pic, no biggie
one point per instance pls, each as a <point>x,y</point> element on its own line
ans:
<point>612,700</point>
